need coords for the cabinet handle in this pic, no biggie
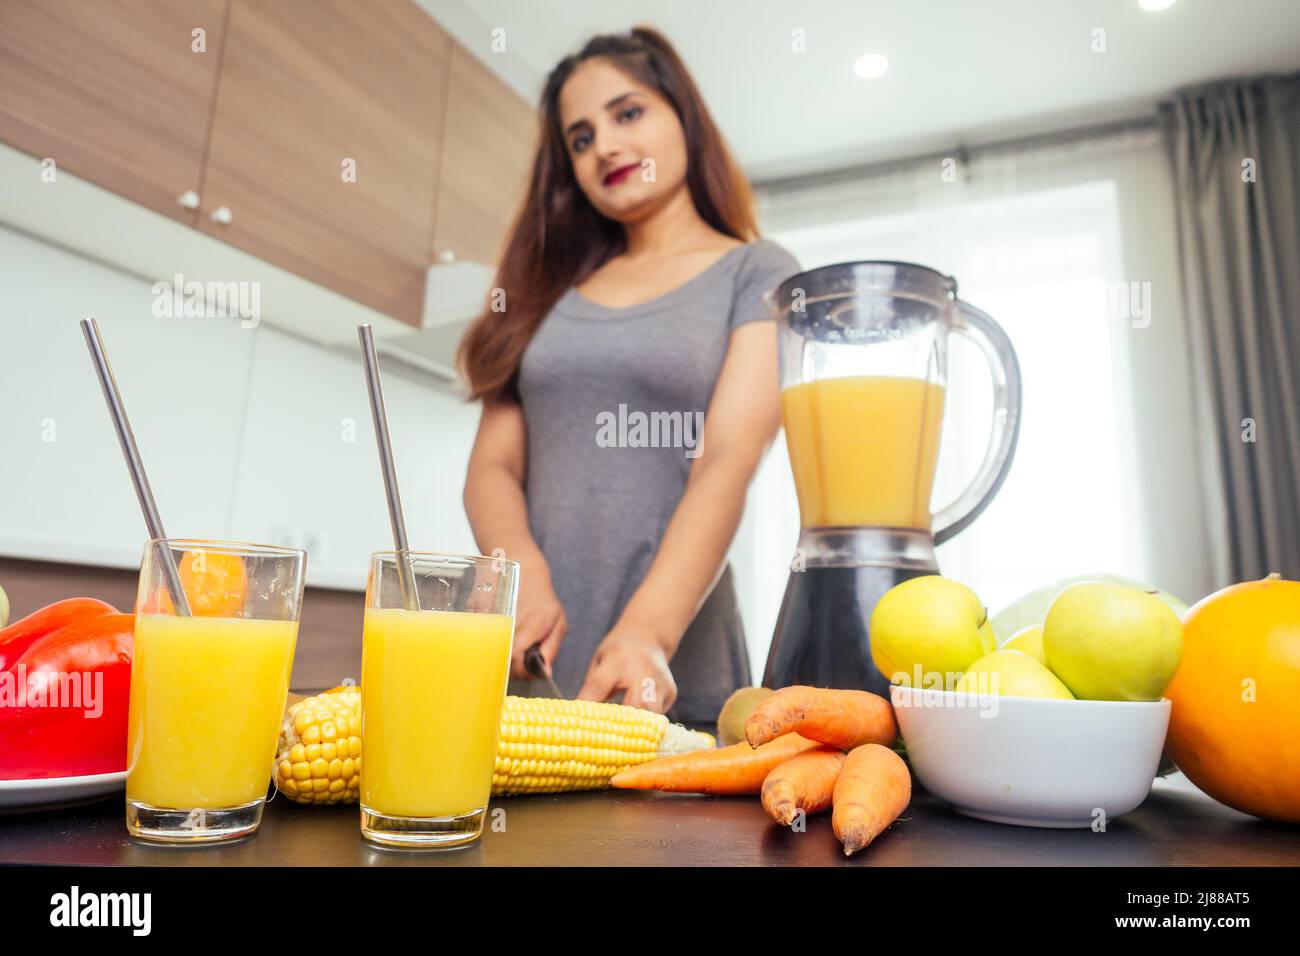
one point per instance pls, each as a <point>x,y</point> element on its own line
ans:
<point>446,256</point>
<point>222,215</point>
<point>188,199</point>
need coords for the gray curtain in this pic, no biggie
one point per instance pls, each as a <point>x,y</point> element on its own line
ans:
<point>1234,147</point>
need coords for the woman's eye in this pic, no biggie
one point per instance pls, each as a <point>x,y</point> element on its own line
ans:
<point>580,142</point>
<point>631,112</point>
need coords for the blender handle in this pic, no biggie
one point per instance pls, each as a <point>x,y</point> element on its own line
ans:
<point>980,328</point>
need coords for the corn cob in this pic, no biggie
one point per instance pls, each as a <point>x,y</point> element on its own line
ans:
<point>551,746</point>
<point>544,745</point>
<point>318,759</point>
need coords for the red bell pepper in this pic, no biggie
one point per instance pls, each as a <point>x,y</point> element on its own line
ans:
<point>64,700</point>
<point>19,635</point>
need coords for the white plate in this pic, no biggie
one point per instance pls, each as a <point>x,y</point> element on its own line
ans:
<point>52,793</point>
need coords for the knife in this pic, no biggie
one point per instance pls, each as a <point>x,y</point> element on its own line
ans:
<point>536,665</point>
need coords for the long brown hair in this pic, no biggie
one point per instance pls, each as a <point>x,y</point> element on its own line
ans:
<point>558,238</point>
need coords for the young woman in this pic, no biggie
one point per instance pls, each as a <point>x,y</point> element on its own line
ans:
<point>628,309</point>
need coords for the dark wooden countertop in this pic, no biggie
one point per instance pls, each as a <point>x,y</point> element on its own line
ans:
<point>1177,825</point>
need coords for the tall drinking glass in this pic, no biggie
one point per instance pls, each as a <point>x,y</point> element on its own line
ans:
<point>208,690</point>
<point>435,657</point>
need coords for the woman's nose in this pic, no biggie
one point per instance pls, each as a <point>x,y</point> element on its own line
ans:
<point>608,145</point>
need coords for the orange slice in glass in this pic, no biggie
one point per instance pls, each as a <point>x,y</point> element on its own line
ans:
<point>215,583</point>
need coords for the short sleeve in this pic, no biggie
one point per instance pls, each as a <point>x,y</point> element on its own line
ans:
<point>766,266</point>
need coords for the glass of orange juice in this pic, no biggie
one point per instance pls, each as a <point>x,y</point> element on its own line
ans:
<point>435,656</point>
<point>208,688</point>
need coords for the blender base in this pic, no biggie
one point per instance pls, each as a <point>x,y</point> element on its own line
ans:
<point>822,637</point>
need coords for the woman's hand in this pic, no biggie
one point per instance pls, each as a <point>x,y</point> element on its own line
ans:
<point>539,618</point>
<point>631,658</point>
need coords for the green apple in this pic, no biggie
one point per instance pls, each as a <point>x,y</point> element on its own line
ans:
<point>1032,608</point>
<point>1109,642</point>
<point>1008,673</point>
<point>1028,641</point>
<point>927,630</point>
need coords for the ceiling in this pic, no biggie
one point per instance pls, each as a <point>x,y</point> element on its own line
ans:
<point>961,71</point>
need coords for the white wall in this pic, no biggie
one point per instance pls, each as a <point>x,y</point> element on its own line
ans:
<point>247,433</point>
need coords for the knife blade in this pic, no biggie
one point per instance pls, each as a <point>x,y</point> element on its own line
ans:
<point>536,665</point>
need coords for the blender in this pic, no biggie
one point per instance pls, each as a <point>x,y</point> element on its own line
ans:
<point>863,364</point>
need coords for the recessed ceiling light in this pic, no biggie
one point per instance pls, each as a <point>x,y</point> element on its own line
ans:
<point>1155,6</point>
<point>871,65</point>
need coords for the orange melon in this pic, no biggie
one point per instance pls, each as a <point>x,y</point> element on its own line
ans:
<point>1235,724</point>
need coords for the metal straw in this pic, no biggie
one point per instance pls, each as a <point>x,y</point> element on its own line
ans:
<point>405,573</point>
<point>133,463</point>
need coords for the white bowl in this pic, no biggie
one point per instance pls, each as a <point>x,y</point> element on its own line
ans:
<point>1032,761</point>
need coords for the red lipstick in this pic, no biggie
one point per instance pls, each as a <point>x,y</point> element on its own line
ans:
<point>620,174</point>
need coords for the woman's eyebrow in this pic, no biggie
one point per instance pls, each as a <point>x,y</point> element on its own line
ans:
<point>610,105</point>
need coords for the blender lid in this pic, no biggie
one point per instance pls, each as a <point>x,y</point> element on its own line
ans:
<point>869,276</point>
<point>861,301</point>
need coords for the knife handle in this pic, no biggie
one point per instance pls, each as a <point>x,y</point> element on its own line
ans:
<point>534,663</point>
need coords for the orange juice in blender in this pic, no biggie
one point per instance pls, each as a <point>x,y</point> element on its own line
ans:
<point>863,449</point>
<point>863,349</point>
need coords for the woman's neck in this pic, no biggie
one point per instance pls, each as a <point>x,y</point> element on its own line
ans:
<point>674,226</point>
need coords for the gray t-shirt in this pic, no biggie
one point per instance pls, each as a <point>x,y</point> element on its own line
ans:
<point>614,401</point>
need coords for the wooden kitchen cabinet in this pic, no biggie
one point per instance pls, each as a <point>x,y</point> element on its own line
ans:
<point>491,135</point>
<point>311,90</point>
<point>349,143</point>
<point>113,91</point>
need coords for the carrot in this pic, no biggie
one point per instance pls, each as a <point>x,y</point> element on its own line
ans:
<point>837,718</point>
<point>873,789</point>
<point>804,782</point>
<point>726,771</point>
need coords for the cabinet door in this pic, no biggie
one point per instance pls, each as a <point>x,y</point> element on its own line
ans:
<point>118,92</point>
<point>326,142</point>
<point>487,159</point>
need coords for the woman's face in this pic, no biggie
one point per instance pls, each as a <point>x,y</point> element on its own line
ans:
<point>624,141</point>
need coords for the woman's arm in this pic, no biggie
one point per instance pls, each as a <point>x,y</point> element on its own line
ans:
<point>498,515</point>
<point>743,418</point>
